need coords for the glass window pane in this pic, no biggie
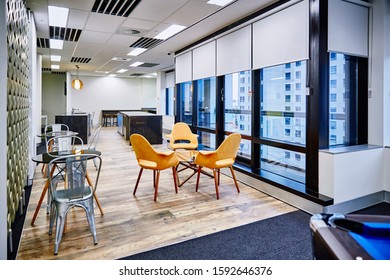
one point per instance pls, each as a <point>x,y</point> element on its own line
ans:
<point>343,78</point>
<point>206,89</point>
<point>206,141</point>
<point>283,118</point>
<point>185,91</point>
<point>282,162</point>
<point>169,101</point>
<point>238,102</point>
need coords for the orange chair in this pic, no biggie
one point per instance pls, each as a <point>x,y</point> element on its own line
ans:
<point>224,156</point>
<point>182,137</point>
<point>149,158</point>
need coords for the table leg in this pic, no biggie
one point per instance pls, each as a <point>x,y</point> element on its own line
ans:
<point>45,188</point>
<point>94,194</point>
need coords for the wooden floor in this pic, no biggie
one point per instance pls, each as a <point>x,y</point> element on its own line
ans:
<point>133,224</point>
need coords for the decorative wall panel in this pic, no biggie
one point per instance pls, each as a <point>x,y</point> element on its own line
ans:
<point>17,105</point>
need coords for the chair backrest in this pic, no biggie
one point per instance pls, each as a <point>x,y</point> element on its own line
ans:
<point>142,148</point>
<point>56,127</point>
<point>92,141</point>
<point>64,145</point>
<point>182,134</point>
<point>74,182</point>
<point>229,147</point>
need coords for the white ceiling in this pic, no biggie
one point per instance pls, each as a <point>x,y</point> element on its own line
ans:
<point>104,37</point>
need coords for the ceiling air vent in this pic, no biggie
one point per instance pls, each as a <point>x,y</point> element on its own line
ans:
<point>146,43</point>
<point>66,34</point>
<point>43,43</point>
<point>136,75</point>
<point>80,59</point>
<point>148,65</point>
<point>46,69</point>
<point>121,8</point>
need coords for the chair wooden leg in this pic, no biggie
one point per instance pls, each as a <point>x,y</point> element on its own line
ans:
<point>156,186</point>
<point>219,177</point>
<point>139,177</point>
<point>216,182</point>
<point>175,178</point>
<point>197,179</point>
<point>234,178</point>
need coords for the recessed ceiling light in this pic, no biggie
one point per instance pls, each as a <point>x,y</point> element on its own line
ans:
<point>135,64</point>
<point>56,44</point>
<point>112,75</point>
<point>121,71</point>
<point>170,31</point>
<point>219,2</point>
<point>55,66</point>
<point>55,58</point>
<point>137,51</point>
<point>58,16</point>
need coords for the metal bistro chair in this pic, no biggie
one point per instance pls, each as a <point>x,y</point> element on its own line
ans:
<point>71,191</point>
<point>60,146</point>
<point>93,140</point>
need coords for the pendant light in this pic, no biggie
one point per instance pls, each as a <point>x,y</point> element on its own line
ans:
<point>77,84</point>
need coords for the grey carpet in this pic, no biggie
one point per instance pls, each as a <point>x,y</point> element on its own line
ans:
<point>285,237</point>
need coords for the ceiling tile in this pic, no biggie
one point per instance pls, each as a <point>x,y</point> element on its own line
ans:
<point>85,5</point>
<point>191,13</point>
<point>122,40</point>
<point>77,19</point>
<point>157,10</point>
<point>139,23</point>
<point>103,23</point>
<point>94,37</point>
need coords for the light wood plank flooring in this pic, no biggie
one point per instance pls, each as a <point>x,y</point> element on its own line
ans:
<point>133,224</point>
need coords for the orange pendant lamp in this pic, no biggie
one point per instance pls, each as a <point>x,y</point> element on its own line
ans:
<point>77,84</point>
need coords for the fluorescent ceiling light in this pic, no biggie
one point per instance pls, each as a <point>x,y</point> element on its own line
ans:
<point>55,58</point>
<point>170,31</point>
<point>102,72</point>
<point>135,64</point>
<point>121,71</point>
<point>137,51</point>
<point>219,2</point>
<point>56,44</point>
<point>58,16</point>
<point>112,75</point>
<point>55,66</point>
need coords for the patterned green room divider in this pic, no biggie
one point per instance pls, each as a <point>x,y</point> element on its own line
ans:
<point>17,106</point>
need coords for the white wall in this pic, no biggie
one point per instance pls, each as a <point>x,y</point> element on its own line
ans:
<point>53,96</point>
<point>349,175</point>
<point>112,93</point>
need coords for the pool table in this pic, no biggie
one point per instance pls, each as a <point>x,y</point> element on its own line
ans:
<point>350,237</point>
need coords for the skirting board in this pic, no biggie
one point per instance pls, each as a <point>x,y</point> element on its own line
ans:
<point>285,196</point>
<point>359,203</point>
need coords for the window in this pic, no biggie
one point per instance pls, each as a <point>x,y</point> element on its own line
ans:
<point>287,87</point>
<point>206,94</point>
<point>298,86</point>
<point>185,108</point>
<point>287,98</point>
<point>287,121</point>
<point>298,98</point>
<point>287,132</point>
<point>278,161</point>
<point>298,75</point>
<point>345,91</point>
<point>333,70</point>
<point>287,76</point>
<point>169,101</point>
<point>238,107</point>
